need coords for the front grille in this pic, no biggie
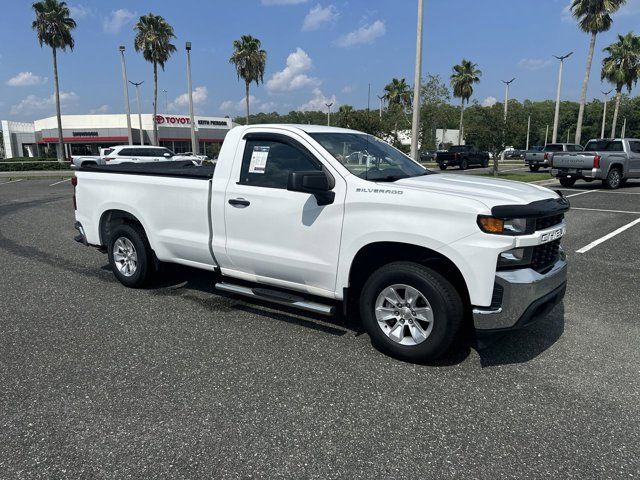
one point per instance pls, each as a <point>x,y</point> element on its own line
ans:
<point>546,222</point>
<point>545,255</point>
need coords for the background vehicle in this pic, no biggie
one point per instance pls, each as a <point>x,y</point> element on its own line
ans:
<point>542,159</point>
<point>611,160</point>
<point>428,155</point>
<point>462,156</point>
<point>511,153</point>
<point>131,154</point>
<point>283,218</point>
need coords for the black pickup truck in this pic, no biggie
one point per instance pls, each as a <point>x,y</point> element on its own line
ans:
<point>462,156</point>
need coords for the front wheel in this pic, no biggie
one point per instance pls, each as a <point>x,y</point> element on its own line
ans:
<point>130,255</point>
<point>442,167</point>
<point>534,168</point>
<point>567,182</point>
<point>410,311</point>
<point>614,179</point>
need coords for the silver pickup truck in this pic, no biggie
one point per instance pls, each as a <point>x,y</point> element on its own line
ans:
<point>611,160</point>
<point>537,159</point>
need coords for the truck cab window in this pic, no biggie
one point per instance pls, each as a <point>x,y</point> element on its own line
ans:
<point>267,163</point>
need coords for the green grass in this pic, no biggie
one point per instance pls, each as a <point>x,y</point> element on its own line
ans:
<point>519,177</point>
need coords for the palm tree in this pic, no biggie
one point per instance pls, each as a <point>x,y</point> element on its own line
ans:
<point>462,79</point>
<point>345,112</point>
<point>153,39</point>
<point>398,97</point>
<point>250,61</point>
<point>53,26</point>
<point>622,68</point>
<point>594,16</point>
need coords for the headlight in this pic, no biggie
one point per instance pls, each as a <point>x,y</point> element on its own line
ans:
<point>515,257</point>
<point>501,226</point>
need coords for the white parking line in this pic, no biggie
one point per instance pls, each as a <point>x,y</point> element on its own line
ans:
<point>603,210</point>
<point>581,193</point>
<point>12,181</point>
<point>57,183</point>
<point>608,236</point>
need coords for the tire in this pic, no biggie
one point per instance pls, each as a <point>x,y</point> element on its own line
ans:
<point>485,163</point>
<point>613,180</point>
<point>567,182</point>
<point>442,167</point>
<point>130,255</point>
<point>464,165</point>
<point>400,336</point>
<point>534,168</point>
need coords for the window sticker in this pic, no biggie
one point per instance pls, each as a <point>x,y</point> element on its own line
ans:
<point>258,162</point>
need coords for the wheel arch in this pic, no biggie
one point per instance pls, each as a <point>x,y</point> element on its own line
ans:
<point>114,217</point>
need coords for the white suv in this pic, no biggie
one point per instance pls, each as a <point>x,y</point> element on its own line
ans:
<point>140,154</point>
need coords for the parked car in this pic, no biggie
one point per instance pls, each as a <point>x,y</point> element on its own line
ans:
<point>131,154</point>
<point>511,153</point>
<point>611,160</point>
<point>462,156</point>
<point>283,219</point>
<point>428,155</point>
<point>542,159</point>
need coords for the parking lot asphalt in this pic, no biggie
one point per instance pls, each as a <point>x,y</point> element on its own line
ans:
<point>100,381</point>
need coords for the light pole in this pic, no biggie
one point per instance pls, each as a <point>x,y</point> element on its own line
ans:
<point>507,84</point>
<point>137,85</point>
<point>624,128</point>
<point>562,58</point>
<point>166,100</point>
<point>194,142</point>
<point>415,119</point>
<point>329,113</point>
<point>528,131</point>
<point>381,98</point>
<point>506,97</point>
<point>604,111</point>
<point>127,109</point>
<point>546,136</point>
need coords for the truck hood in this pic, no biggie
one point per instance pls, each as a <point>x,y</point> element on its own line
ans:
<point>491,192</point>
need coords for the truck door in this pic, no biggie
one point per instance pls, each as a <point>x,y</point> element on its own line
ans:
<point>275,235</point>
<point>634,158</point>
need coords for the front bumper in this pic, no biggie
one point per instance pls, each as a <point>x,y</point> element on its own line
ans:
<point>526,297</point>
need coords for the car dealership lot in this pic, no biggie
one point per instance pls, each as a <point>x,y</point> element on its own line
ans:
<point>98,380</point>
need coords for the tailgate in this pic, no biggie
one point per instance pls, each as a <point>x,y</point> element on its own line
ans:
<point>569,160</point>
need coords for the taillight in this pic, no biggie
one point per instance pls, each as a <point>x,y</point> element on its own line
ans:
<point>74,182</point>
<point>546,156</point>
<point>596,161</point>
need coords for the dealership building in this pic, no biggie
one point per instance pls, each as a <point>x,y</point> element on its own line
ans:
<point>86,134</point>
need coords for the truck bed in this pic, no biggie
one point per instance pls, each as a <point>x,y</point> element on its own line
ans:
<point>182,169</point>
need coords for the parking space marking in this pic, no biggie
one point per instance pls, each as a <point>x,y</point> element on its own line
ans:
<point>12,181</point>
<point>608,236</point>
<point>603,210</point>
<point>581,193</point>
<point>57,183</point>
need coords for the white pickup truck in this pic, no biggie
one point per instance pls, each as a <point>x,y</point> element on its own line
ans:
<point>284,218</point>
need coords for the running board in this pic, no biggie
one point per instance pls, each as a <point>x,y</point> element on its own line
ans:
<point>276,296</point>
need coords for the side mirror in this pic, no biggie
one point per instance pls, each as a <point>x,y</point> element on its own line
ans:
<point>314,182</point>
<point>167,155</point>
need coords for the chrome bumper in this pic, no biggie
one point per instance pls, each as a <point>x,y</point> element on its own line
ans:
<point>526,296</point>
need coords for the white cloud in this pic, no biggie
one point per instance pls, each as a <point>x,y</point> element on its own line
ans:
<point>101,109</point>
<point>293,76</point>
<point>33,103</point>
<point>269,3</point>
<point>181,102</point>
<point>255,105</point>
<point>26,79</point>
<point>489,102</point>
<point>318,16</point>
<point>534,63</point>
<point>365,34</point>
<point>348,89</point>
<point>318,102</point>
<point>79,11</point>
<point>117,19</point>
<point>565,15</point>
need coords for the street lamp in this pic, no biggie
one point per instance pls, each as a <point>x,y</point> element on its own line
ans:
<point>194,142</point>
<point>139,111</point>
<point>604,111</point>
<point>166,100</point>
<point>126,95</point>
<point>507,84</point>
<point>562,58</point>
<point>329,113</point>
<point>415,120</point>
<point>381,98</point>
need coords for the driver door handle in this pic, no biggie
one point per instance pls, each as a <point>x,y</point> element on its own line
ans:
<point>239,202</point>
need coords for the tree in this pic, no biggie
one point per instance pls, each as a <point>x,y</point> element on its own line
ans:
<point>250,61</point>
<point>153,39</point>
<point>53,25</point>
<point>621,68</point>
<point>398,97</point>
<point>462,79</point>
<point>434,95</point>
<point>344,115</point>
<point>594,16</point>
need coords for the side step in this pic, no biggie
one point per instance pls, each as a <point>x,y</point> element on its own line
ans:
<point>276,296</point>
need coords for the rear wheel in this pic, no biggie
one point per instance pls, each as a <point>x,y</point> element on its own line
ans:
<point>567,182</point>
<point>464,165</point>
<point>534,168</point>
<point>613,180</point>
<point>442,167</point>
<point>410,311</point>
<point>130,255</point>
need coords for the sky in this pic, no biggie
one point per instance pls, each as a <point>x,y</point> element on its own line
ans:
<point>319,51</point>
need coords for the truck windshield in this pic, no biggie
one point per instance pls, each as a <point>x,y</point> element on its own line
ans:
<point>369,157</point>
